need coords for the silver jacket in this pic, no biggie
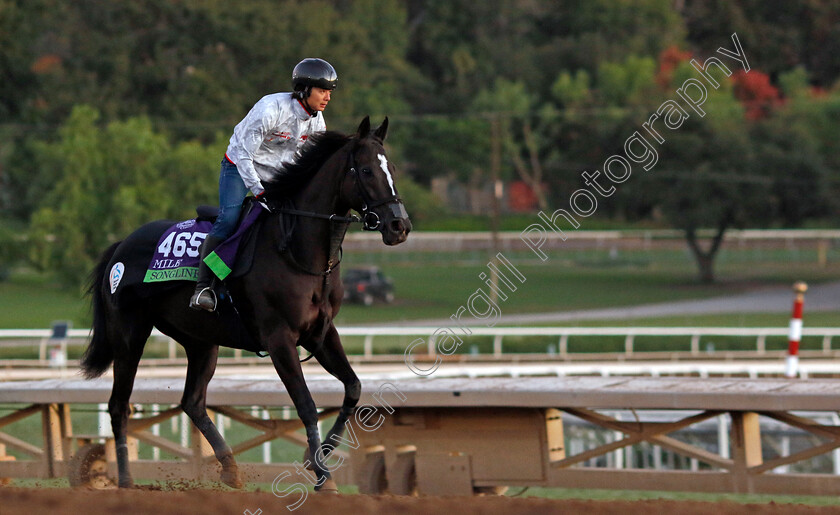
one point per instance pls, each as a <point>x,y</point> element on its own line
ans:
<point>270,135</point>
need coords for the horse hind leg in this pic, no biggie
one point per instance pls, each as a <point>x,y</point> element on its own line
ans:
<point>130,346</point>
<point>201,364</point>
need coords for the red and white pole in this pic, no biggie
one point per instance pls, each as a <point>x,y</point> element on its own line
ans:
<point>795,332</point>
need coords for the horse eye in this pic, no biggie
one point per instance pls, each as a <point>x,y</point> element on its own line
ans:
<point>367,171</point>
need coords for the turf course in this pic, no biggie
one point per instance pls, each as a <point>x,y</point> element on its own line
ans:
<point>434,286</point>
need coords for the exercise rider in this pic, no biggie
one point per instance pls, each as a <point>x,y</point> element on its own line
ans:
<point>267,137</point>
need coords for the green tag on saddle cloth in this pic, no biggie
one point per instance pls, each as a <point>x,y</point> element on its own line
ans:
<point>217,265</point>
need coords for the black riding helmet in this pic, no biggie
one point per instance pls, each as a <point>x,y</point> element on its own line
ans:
<point>313,72</point>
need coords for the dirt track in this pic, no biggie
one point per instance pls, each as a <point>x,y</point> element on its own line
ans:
<point>207,502</point>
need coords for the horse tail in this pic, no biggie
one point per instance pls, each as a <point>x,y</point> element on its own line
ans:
<point>99,354</point>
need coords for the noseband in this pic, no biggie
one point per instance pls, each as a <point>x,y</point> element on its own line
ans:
<point>370,219</point>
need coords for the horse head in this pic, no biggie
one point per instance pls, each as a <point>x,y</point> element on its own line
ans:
<point>371,190</point>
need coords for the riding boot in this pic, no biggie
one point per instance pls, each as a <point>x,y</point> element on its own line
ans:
<point>204,296</point>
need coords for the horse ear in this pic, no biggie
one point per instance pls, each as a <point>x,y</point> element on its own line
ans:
<point>382,130</point>
<point>364,127</point>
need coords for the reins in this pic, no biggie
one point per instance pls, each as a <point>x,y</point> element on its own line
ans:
<point>335,252</point>
<point>332,218</point>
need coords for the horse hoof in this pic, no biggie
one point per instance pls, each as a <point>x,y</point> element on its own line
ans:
<point>230,472</point>
<point>231,478</point>
<point>329,487</point>
<point>126,484</point>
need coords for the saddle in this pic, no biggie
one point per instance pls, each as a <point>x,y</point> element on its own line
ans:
<point>175,256</point>
<point>237,252</point>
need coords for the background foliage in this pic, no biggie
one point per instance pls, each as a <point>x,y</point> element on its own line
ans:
<point>116,113</point>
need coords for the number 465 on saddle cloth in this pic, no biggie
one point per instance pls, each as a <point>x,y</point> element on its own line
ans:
<point>176,254</point>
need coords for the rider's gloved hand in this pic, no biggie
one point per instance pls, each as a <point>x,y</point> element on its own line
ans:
<point>260,197</point>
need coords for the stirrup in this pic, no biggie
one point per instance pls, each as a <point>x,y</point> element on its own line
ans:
<point>196,300</point>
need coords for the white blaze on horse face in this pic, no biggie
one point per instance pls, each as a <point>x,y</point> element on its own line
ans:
<point>383,162</point>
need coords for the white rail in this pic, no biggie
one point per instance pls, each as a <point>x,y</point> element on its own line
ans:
<point>563,334</point>
<point>42,337</point>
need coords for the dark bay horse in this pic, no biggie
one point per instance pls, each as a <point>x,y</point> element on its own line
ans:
<point>286,299</point>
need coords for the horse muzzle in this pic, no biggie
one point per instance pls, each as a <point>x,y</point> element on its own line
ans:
<point>395,224</point>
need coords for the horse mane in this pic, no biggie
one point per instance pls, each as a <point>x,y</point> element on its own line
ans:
<point>292,177</point>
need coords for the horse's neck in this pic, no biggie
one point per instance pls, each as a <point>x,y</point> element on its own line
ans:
<point>311,238</point>
<point>321,194</point>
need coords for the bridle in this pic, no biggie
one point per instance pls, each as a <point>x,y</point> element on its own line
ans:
<point>369,219</point>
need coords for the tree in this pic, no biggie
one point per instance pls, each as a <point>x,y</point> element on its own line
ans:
<point>565,83</point>
<point>706,180</point>
<point>465,45</point>
<point>447,147</point>
<point>756,93</point>
<point>734,168</point>
<point>511,104</point>
<point>778,35</point>
<point>111,180</point>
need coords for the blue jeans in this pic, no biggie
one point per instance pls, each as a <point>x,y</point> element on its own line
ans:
<point>232,191</point>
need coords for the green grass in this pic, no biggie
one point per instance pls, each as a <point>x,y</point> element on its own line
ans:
<point>433,285</point>
<point>436,291</point>
<point>32,301</point>
<point>518,221</point>
<point>635,495</point>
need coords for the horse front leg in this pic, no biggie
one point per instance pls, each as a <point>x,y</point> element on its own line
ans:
<point>332,357</point>
<point>283,351</point>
